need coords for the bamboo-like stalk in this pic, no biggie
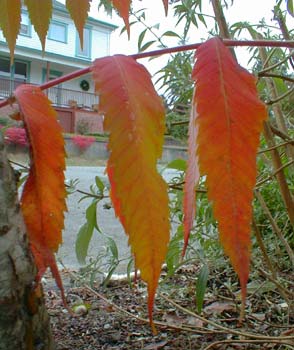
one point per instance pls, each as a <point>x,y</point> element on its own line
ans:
<point>263,249</point>
<point>275,226</point>
<point>222,23</point>
<point>280,176</point>
<point>274,99</point>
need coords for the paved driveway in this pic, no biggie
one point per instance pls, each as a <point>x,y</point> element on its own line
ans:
<point>75,218</point>
<point>106,219</point>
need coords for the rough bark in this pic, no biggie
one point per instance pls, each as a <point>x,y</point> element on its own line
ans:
<point>24,322</point>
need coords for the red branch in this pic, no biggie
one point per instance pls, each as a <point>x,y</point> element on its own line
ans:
<point>227,42</point>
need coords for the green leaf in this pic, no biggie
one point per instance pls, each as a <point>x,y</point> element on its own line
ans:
<point>178,164</point>
<point>290,7</point>
<point>129,270</point>
<point>170,33</point>
<point>85,233</point>
<point>100,185</point>
<point>82,242</point>
<point>141,38</point>
<point>112,246</point>
<point>145,47</point>
<point>201,287</point>
<point>110,273</point>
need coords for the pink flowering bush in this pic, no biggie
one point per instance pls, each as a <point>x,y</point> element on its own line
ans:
<point>16,136</point>
<point>83,142</point>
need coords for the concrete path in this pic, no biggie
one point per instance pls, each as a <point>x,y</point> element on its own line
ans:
<point>106,219</point>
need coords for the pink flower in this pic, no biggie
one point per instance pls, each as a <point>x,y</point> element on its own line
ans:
<point>83,142</point>
<point>16,136</point>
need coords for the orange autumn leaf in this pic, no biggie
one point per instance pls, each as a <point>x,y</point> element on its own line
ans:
<point>78,11</point>
<point>191,178</point>
<point>10,14</point>
<point>135,121</point>
<point>40,13</point>
<point>43,198</point>
<point>230,120</point>
<point>123,8</point>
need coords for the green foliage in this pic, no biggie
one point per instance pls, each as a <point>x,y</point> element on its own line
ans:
<point>175,81</point>
<point>177,125</point>
<point>86,232</point>
<point>82,127</point>
<point>201,286</point>
<point>186,11</point>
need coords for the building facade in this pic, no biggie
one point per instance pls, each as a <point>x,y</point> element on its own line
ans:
<point>74,100</point>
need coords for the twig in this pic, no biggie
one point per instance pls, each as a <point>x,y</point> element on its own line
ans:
<point>284,291</point>
<point>281,178</point>
<point>19,164</point>
<point>263,250</point>
<point>275,65</point>
<point>269,56</point>
<point>272,75</point>
<point>291,142</point>
<point>275,226</point>
<point>281,97</point>
<point>277,171</point>
<point>280,133</point>
<point>226,329</point>
<point>234,341</point>
<point>144,320</point>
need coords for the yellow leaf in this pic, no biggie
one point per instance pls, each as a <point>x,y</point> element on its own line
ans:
<point>134,116</point>
<point>10,11</point>
<point>79,14</point>
<point>40,13</point>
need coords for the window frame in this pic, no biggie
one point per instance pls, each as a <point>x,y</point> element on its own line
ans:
<point>12,68</point>
<point>64,25</point>
<point>29,25</point>
<point>85,57</point>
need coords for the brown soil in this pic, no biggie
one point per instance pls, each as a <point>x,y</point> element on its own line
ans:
<point>111,320</point>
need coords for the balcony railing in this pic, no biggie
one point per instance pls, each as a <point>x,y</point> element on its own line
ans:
<point>59,96</point>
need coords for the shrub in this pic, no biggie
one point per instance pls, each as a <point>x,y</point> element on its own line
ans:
<point>82,127</point>
<point>16,136</point>
<point>83,142</point>
<point>4,122</point>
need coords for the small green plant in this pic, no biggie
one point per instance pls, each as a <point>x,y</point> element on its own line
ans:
<point>82,127</point>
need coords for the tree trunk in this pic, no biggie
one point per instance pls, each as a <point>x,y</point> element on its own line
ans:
<point>24,322</point>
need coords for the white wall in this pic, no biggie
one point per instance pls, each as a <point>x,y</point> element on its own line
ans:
<point>100,44</point>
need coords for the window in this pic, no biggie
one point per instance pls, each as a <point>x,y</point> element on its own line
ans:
<point>4,67</point>
<point>25,25</point>
<point>86,51</point>
<point>57,31</point>
<point>19,70</point>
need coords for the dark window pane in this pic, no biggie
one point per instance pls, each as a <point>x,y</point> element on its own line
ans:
<point>4,66</point>
<point>20,70</point>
